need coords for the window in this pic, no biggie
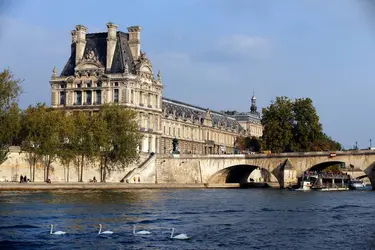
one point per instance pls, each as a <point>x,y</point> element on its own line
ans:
<point>99,84</point>
<point>115,96</point>
<point>178,132</point>
<point>62,86</point>
<point>132,96</point>
<point>79,85</point>
<point>98,97</point>
<point>149,99</point>
<point>78,97</point>
<point>62,98</point>
<point>88,97</point>
<point>116,84</point>
<point>89,85</point>
<point>174,132</point>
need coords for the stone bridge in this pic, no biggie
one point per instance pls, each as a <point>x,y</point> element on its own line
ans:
<point>283,168</point>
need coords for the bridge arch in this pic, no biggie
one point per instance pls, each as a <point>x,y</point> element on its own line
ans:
<point>243,173</point>
<point>323,165</point>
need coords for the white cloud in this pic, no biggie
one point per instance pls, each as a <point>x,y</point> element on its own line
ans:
<point>241,46</point>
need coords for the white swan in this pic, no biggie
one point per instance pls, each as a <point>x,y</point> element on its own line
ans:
<point>142,232</point>
<point>179,236</point>
<point>104,232</point>
<point>57,232</point>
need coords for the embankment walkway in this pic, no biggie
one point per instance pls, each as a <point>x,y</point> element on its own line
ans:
<point>8,186</point>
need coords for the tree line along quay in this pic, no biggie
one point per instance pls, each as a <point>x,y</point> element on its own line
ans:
<point>111,134</point>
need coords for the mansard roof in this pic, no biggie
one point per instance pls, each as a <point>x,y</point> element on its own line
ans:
<point>97,42</point>
<point>184,110</point>
<point>253,117</point>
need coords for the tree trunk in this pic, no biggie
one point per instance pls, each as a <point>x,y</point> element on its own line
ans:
<point>82,162</point>
<point>48,166</point>
<point>105,169</point>
<point>101,169</point>
<point>67,174</point>
<point>33,171</point>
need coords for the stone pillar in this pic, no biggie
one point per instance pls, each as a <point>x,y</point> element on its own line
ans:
<point>81,42</point>
<point>111,44</point>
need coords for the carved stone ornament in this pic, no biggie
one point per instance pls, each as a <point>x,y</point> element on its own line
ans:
<point>77,74</point>
<point>69,97</point>
<point>91,56</point>
<point>54,72</point>
<point>126,71</point>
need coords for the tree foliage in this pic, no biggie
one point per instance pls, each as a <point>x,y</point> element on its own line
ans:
<point>278,122</point>
<point>42,129</point>
<point>10,89</point>
<point>294,126</point>
<point>252,144</point>
<point>118,137</point>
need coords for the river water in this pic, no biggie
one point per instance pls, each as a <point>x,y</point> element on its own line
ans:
<point>213,218</point>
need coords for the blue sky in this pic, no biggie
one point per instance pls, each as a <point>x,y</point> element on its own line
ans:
<point>214,53</point>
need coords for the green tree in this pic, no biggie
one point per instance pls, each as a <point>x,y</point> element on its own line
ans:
<point>254,144</point>
<point>306,126</point>
<point>41,127</point>
<point>278,122</point>
<point>294,126</point>
<point>10,90</point>
<point>118,138</point>
<point>82,141</point>
<point>66,153</point>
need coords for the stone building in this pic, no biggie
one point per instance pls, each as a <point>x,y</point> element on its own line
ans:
<point>250,121</point>
<point>110,67</point>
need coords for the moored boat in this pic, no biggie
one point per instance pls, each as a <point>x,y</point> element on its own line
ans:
<point>356,184</point>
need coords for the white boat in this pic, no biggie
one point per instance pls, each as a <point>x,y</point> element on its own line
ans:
<point>306,186</point>
<point>356,184</point>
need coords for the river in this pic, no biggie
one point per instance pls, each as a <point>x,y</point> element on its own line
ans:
<point>213,218</point>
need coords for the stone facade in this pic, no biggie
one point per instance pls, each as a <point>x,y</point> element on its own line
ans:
<point>110,67</point>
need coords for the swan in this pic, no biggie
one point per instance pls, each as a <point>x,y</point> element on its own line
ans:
<point>57,232</point>
<point>179,236</point>
<point>104,232</point>
<point>143,232</point>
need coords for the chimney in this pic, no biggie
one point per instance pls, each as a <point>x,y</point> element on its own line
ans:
<point>111,44</point>
<point>80,42</point>
<point>73,45</point>
<point>135,41</point>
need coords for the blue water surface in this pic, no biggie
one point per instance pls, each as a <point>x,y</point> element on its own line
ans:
<point>213,218</point>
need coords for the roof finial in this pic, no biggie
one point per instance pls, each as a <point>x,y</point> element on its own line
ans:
<point>54,72</point>
<point>159,75</point>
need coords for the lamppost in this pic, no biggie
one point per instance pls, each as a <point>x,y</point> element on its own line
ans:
<point>370,144</point>
<point>356,145</point>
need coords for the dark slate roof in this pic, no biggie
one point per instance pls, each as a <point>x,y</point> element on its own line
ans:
<point>253,117</point>
<point>187,110</point>
<point>97,42</point>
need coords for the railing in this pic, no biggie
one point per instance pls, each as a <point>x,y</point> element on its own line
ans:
<point>140,168</point>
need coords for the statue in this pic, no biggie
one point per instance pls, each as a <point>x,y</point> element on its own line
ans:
<point>126,67</point>
<point>175,146</point>
<point>159,76</point>
<point>54,72</point>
